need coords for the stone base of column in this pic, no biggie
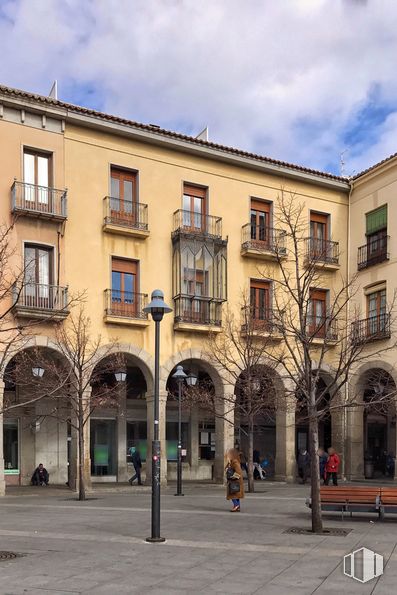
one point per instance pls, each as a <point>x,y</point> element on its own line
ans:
<point>284,478</point>
<point>2,480</point>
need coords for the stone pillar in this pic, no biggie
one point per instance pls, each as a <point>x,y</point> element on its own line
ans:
<point>355,443</point>
<point>193,445</point>
<point>2,481</point>
<point>224,436</point>
<point>285,442</point>
<point>122,471</point>
<point>162,435</point>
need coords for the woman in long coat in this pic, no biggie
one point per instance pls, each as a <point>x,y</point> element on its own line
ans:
<point>234,474</point>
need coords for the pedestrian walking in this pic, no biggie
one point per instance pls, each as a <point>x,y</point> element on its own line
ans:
<point>303,465</point>
<point>234,477</point>
<point>322,460</point>
<point>136,461</point>
<point>332,467</point>
<point>257,465</point>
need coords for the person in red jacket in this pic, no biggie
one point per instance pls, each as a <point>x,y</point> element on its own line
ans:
<point>332,467</point>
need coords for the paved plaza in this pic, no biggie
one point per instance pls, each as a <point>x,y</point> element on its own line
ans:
<point>99,547</point>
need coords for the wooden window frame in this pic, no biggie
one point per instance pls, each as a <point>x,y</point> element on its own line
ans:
<point>125,266</point>
<point>318,296</point>
<point>32,196</point>
<point>260,234</point>
<point>121,213</point>
<point>258,320</point>
<point>190,215</point>
<point>37,300</point>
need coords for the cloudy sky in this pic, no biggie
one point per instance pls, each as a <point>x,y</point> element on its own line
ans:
<point>298,80</point>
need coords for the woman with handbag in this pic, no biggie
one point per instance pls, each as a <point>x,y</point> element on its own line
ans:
<point>234,479</point>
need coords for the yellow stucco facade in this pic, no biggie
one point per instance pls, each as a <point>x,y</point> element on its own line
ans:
<point>84,148</point>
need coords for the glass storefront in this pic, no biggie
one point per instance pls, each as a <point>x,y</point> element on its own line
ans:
<point>10,444</point>
<point>103,447</point>
<point>137,436</point>
<point>172,439</point>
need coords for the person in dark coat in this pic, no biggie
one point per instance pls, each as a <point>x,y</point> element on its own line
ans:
<point>322,459</point>
<point>234,474</point>
<point>136,461</point>
<point>303,464</point>
<point>40,476</point>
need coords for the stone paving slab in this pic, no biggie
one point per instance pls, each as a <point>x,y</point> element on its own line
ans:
<point>99,547</point>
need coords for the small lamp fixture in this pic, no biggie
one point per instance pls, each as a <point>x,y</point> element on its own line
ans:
<point>120,375</point>
<point>179,374</point>
<point>157,307</point>
<point>191,379</point>
<point>38,372</point>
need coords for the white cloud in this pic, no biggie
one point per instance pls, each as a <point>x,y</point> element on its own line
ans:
<point>282,78</point>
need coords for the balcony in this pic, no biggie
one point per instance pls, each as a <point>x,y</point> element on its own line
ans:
<point>125,217</point>
<point>41,301</point>
<point>321,330</point>
<point>374,328</point>
<point>265,243</point>
<point>190,224</point>
<point>373,252</point>
<point>125,308</point>
<point>260,322</point>
<point>38,201</point>
<point>197,314</point>
<point>322,253</point>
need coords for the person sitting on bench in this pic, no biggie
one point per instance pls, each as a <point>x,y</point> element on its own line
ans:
<point>40,476</point>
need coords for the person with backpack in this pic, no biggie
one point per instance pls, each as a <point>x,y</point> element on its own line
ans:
<point>136,461</point>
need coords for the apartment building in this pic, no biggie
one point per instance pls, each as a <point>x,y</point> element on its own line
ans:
<point>117,209</point>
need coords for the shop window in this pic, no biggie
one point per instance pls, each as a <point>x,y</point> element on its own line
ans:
<point>172,439</point>
<point>137,436</point>
<point>11,445</point>
<point>103,447</point>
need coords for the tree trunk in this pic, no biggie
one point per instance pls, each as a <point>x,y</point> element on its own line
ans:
<point>317,521</point>
<point>81,449</point>
<point>251,483</point>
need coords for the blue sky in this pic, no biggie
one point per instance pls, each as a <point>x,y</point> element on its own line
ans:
<point>298,80</point>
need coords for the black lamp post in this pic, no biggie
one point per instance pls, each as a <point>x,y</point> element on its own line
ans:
<point>180,376</point>
<point>157,308</point>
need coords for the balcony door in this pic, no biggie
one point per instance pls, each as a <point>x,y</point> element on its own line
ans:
<point>194,208</point>
<point>317,312</point>
<point>319,235</point>
<point>260,222</point>
<point>376,312</point>
<point>38,276</point>
<point>260,302</point>
<point>36,177</point>
<point>124,287</point>
<point>123,202</point>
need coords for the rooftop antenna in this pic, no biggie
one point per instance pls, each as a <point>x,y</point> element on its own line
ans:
<point>54,90</point>
<point>203,135</point>
<point>342,162</point>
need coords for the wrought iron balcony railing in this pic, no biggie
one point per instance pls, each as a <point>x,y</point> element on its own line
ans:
<point>125,304</point>
<point>126,213</point>
<point>262,238</point>
<point>322,251</point>
<point>40,200</point>
<point>322,327</point>
<point>373,252</point>
<point>197,310</point>
<point>259,320</point>
<point>188,222</point>
<point>370,329</point>
<point>40,296</point>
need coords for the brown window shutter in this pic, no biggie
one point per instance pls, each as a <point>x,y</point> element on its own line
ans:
<point>122,265</point>
<point>260,205</point>
<point>319,217</point>
<point>197,191</point>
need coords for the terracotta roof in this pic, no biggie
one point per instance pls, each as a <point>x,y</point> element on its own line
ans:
<point>162,132</point>
<point>372,167</point>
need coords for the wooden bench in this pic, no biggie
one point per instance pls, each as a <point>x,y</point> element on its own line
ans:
<point>388,501</point>
<point>350,499</point>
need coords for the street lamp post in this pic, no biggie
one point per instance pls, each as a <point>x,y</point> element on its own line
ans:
<point>191,380</point>
<point>157,308</point>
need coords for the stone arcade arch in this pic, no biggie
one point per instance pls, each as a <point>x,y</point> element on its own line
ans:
<point>370,429</point>
<point>32,433</point>
<point>112,431</point>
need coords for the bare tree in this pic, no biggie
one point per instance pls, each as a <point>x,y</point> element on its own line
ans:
<point>315,332</point>
<point>238,352</point>
<point>71,379</point>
